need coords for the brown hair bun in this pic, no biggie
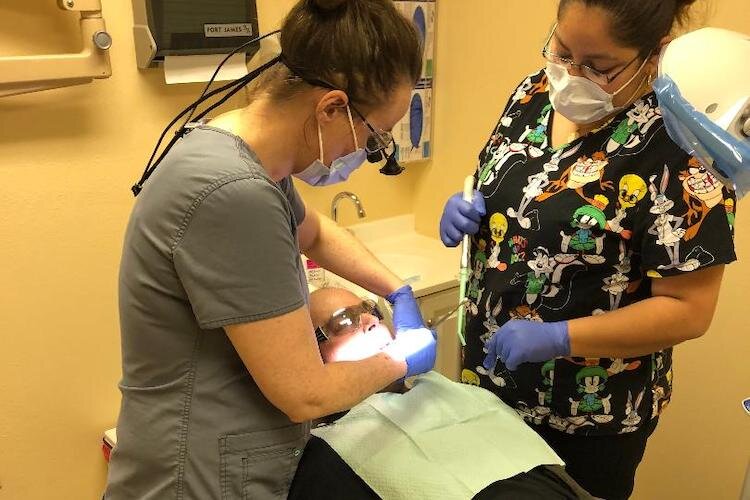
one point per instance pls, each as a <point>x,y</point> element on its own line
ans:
<point>328,4</point>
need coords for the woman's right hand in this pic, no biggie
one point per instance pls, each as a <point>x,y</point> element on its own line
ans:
<point>460,218</point>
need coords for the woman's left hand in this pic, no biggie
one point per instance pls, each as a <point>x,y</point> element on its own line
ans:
<point>417,347</point>
<point>519,341</point>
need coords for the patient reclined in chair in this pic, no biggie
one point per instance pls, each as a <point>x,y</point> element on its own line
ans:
<point>438,439</point>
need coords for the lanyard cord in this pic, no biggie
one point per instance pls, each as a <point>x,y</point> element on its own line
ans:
<point>233,87</point>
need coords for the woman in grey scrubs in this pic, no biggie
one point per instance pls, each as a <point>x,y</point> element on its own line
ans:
<point>221,369</point>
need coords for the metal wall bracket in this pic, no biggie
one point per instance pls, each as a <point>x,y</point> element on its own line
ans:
<point>24,74</point>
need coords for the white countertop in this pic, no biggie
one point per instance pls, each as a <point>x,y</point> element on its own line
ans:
<point>425,263</point>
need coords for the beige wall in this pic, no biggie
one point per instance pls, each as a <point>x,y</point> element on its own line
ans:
<point>702,446</point>
<point>68,158</point>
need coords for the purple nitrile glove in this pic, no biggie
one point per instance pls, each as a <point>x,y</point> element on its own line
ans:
<point>461,217</point>
<point>406,313</point>
<point>520,341</point>
<point>417,347</point>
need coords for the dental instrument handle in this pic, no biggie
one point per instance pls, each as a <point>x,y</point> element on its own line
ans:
<point>464,272</point>
<point>434,323</point>
<point>469,188</point>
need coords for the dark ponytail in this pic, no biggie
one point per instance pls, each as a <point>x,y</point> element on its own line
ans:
<point>364,47</point>
<point>640,24</point>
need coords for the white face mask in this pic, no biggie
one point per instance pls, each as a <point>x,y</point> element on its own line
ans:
<point>317,174</point>
<point>579,99</point>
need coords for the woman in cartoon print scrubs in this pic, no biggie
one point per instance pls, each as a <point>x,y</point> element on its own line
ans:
<point>626,239</point>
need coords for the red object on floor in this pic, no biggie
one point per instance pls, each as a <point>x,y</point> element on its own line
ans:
<point>106,450</point>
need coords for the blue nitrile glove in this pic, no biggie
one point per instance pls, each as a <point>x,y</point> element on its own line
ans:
<point>417,347</point>
<point>461,217</point>
<point>406,314</point>
<point>520,341</point>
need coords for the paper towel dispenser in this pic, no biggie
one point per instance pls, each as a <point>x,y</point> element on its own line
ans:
<point>191,27</point>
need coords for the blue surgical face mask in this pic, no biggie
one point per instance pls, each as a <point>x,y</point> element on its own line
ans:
<point>318,174</point>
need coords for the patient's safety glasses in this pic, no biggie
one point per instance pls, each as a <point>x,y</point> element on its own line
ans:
<point>347,320</point>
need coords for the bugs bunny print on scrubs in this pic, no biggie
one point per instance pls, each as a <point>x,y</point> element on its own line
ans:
<point>500,375</point>
<point>632,419</point>
<point>619,282</point>
<point>667,228</point>
<point>632,130</point>
<point>500,152</point>
<point>491,313</point>
<point>536,185</point>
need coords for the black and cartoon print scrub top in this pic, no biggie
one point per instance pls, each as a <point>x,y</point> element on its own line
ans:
<point>582,230</point>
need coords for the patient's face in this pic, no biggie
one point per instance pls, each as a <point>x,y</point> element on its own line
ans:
<point>363,339</point>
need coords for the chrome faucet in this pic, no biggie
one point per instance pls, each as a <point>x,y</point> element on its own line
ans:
<point>342,196</point>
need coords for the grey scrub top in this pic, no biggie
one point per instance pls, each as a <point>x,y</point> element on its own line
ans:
<point>212,241</point>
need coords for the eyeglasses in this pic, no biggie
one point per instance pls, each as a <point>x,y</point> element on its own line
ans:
<point>347,320</point>
<point>378,140</point>
<point>596,76</point>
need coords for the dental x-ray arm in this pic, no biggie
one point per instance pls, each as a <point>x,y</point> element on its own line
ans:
<point>698,135</point>
<point>23,74</point>
<point>704,96</point>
